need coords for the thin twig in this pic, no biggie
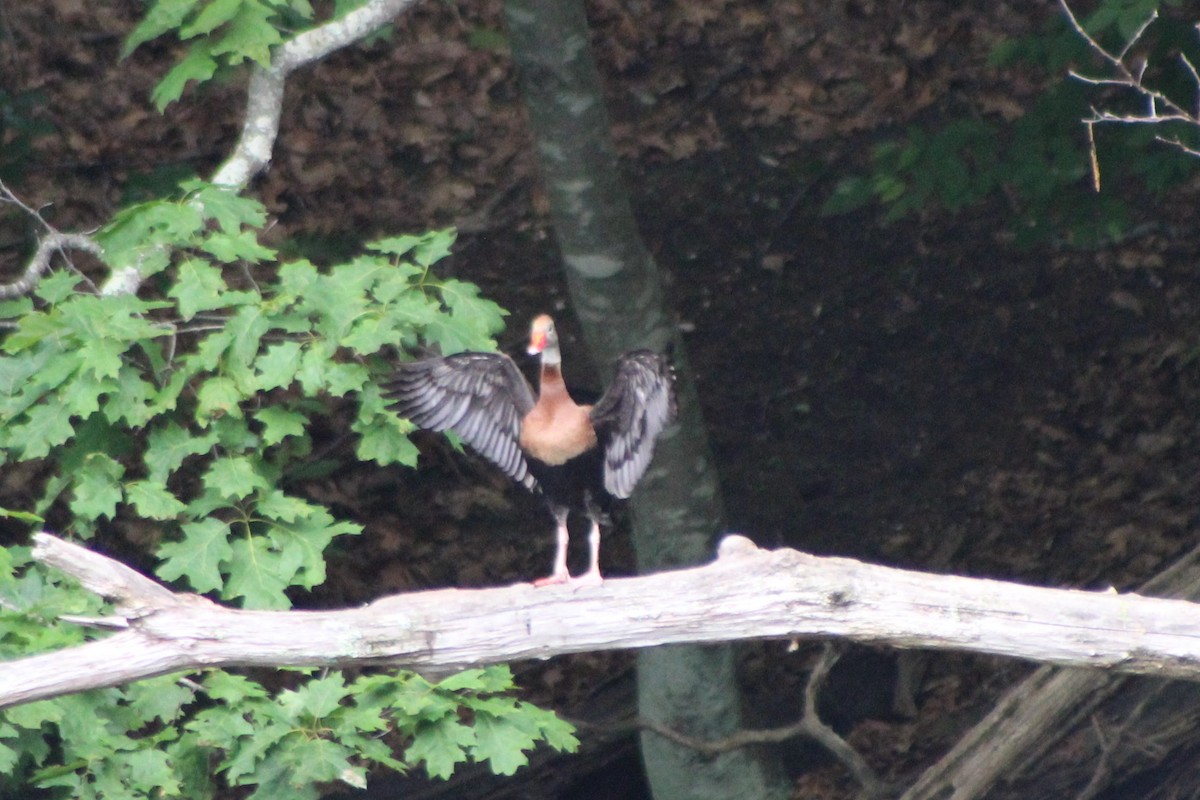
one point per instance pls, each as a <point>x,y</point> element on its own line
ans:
<point>53,242</point>
<point>1159,107</point>
<point>809,725</point>
<point>50,244</point>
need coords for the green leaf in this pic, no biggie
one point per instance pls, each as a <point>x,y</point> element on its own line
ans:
<point>440,745</point>
<point>497,678</point>
<point>250,35</point>
<point>168,446</point>
<point>45,427</point>
<point>57,286</point>
<point>279,506</point>
<point>198,556</point>
<point>318,698</point>
<point>211,17</point>
<point>259,574</point>
<point>277,367</point>
<point>314,365</point>
<point>475,318</point>
<point>34,329</point>
<point>501,742</point>
<point>16,308</point>
<point>384,440</point>
<point>97,487</point>
<point>198,286</point>
<point>247,327</point>
<point>395,245</point>
<point>197,65</point>
<point>230,247</point>
<point>216,398</point>
<point>235,477</point>
<point>280,423</point>
<point>223,204</point>
<point>370,334</point>
<point>152,500</point>
<point>158,698</point>
<point>296,279</point>
<point>135,232</point>
<point>311,761</point>
<point>151,768</point>
<point>22,516</point>
<point>304,542</point>
<point>83,397</point>
<point>164,15</point>
<point>232,689</point>
<point>210,351</point>
<point>434,246</point>
<point>129,399</point>
<point>342,379</point>
<point>101,357</point>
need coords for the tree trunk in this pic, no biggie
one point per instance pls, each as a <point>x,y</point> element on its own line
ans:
<point>617,294</point>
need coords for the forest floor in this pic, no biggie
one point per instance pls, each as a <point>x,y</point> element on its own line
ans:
<point>923,394</point>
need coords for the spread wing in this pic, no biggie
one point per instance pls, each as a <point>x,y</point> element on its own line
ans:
<point>480,396</point>
<point>639,403</point>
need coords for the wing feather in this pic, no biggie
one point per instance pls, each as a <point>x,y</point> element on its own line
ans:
<point>639,404</point>
<point>480,396</point>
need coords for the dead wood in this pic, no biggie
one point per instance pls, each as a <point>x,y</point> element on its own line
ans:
<point>1060,729</point>
<point>746,593</point>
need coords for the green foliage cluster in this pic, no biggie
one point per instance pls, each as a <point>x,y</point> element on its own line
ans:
<point>220,34</point>
<point>218,377</point>
<point>1039,163</point>
<point>187,739</point>
<point>186,410</point>
<point>190,406</point>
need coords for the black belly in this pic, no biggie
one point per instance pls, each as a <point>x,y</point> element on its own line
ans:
<point>578,484</point>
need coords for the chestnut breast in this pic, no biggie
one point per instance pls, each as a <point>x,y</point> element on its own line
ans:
<point>556,432</point>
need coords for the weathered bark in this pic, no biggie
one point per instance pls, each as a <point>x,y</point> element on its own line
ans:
<point>746,593</point>
<point>617,294</point>
<point>1112,725</point>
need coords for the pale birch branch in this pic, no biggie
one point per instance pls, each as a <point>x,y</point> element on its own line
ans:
<point>49,244</point>
<point>747,593</point>
<point>264,104</point>
<point>264,96</point>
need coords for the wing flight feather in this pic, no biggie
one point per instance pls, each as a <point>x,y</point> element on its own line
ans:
<point>480,396</point>
<point>639,404</point>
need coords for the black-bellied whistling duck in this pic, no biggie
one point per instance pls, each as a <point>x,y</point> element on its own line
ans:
<point>581,457</point>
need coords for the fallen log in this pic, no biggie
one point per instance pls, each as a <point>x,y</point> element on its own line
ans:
<point>747,593</point>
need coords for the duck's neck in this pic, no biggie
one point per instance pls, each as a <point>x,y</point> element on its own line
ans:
<point>551,355</point>
<point>552,385</point>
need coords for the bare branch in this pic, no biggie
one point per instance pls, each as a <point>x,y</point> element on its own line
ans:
<point>809,725</point>
<point>264,103</point>
<point>1191,151</point>
<point>264,96</point>
<point>50,244</point>
<point>817,730</point>
<point>1137,35</point>
<point>53,242</point>
<point>747,593</point>
<point>1159,108</point>
<point>1097,48</point>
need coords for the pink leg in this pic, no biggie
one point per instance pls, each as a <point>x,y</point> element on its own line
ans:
<point>592,576</point>
<point>560,574</point>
